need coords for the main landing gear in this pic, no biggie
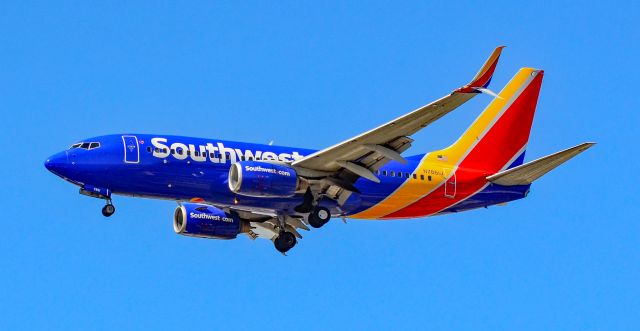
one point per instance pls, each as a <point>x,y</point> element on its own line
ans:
<point>285,241</point>
<point>319,216</point>
<point>108,209</point>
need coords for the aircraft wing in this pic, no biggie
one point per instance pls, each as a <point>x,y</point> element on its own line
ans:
<point>367,152</point>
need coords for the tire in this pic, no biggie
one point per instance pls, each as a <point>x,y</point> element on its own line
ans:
<point>319,217</point>
<point>285,242</point>
<point>108,210</point>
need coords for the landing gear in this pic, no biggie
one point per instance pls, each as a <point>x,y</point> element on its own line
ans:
<point>319,216</point>
<point>285,241</point>
<point>307,204</point>
<point>108,209</point>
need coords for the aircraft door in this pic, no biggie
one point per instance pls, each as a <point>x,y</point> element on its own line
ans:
<point>450,184</point>
<point>131,149</point>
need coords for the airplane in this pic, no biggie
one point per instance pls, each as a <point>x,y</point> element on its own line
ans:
<point>227,188</point>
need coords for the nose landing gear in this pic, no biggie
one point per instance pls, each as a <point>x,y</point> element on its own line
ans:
<point>100,193</point>
<point>108,209</point>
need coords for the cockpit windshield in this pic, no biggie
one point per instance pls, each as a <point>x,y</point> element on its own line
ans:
<point>86,145</point>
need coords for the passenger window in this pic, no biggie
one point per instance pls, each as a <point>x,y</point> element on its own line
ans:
<point>415,176</point>
<point>392,173</point>
<point>157,150</point>
<point>250,158</point>
<point>406,174</point>
<point>173,151</point>
<point>429,178</point>
<point>188,152</point>
<point>384,172</point>
<point>212,155</point>
<point>149,149</point>
<point>421,177</point>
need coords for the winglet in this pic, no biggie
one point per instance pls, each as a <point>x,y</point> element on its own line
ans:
<point>484,75</point>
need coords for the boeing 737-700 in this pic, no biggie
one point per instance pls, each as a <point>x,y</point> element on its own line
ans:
<point>227,188</point>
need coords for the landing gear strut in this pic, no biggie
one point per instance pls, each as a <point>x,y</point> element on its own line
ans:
<point>307,204</point>
<point>319,216</point>
<point>285,241</point>
<point>108,209</point>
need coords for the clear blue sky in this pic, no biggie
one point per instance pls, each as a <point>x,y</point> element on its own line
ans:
<point>310,75</point>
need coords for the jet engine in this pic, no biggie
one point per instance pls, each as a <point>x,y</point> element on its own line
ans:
<point>199,220</point>
<point>263,179</point>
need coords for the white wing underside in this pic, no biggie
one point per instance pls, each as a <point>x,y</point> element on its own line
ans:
<point>368,151</point>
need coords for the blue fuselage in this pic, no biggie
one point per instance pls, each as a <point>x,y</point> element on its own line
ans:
<point>184,169</point>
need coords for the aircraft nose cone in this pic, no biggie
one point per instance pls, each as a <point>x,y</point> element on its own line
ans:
<point>56,163</point>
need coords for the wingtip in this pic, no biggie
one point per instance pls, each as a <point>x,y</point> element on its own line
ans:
<point>484,75</point>
<point>583,146</point>
<point>498,50</point>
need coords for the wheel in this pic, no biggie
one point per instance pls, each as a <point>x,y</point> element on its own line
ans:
<point>285,242</point>
<point>108,210</point>
<point>319,217</point>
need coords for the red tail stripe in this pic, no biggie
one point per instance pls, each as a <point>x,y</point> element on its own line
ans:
<point>500,144</point>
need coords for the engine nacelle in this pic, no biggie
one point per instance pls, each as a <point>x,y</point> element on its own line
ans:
<point>198,220</point>
<point>262,179</point>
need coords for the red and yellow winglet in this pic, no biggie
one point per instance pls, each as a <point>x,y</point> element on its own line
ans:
<point>483,77</point>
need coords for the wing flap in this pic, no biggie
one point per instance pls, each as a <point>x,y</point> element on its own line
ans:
<point>527,173</point>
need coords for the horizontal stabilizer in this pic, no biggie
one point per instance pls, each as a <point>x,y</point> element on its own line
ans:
<point>528,172</point>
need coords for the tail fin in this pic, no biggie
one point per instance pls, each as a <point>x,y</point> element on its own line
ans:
<point>498,137</point>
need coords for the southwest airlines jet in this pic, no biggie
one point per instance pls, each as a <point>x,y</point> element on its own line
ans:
<point>227,188</point>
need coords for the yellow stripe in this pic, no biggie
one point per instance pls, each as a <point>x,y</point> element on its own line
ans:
<point>435,163</point>
<point>409,191</point>
<point>458,149</point>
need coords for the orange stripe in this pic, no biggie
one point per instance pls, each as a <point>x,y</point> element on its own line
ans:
<point>495,150</point>
<point>441,164</point>
<point>489,67</point>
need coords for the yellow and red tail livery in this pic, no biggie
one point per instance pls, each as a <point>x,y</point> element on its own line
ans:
<point>495,140</point>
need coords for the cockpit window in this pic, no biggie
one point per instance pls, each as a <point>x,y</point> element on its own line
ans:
<point>86,145</point>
